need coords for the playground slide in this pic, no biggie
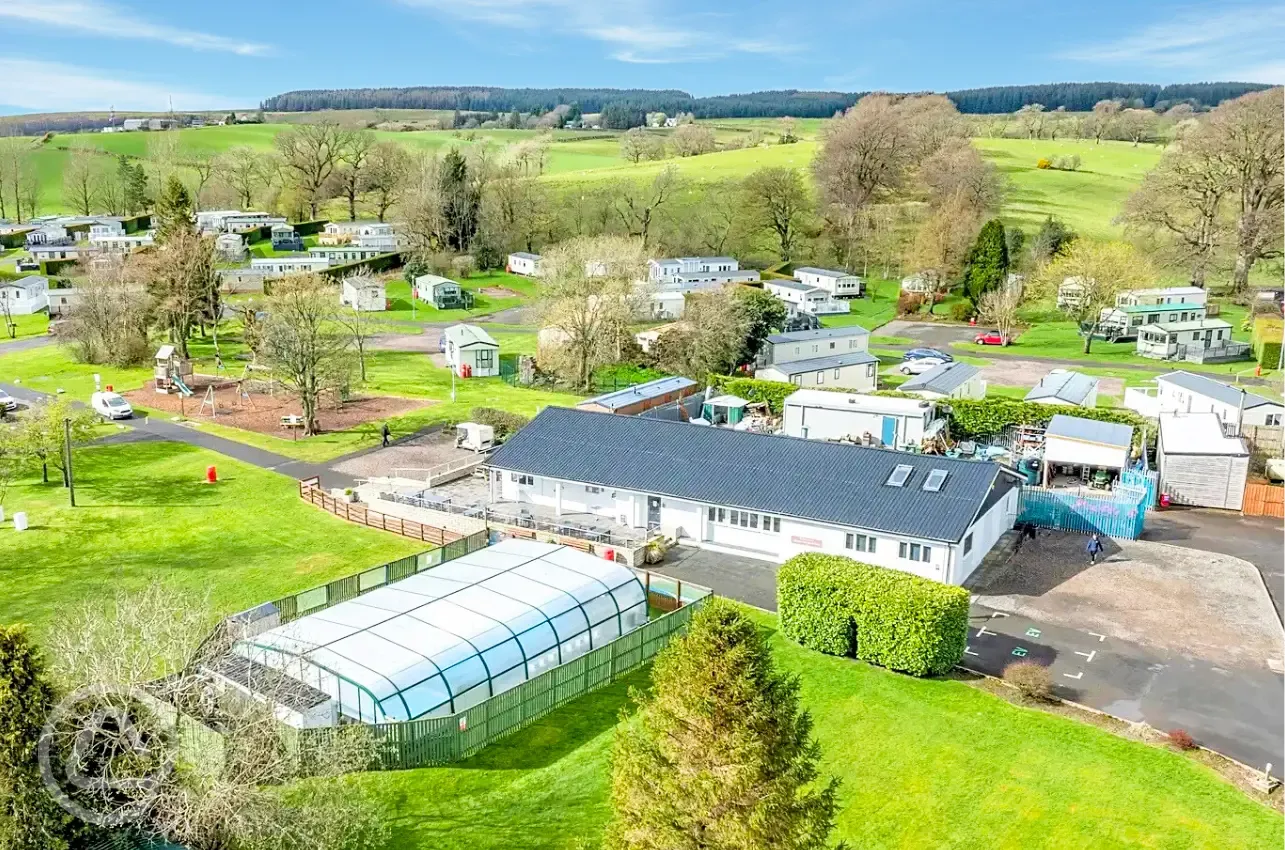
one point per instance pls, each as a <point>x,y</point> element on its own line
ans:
<point>182,387</point>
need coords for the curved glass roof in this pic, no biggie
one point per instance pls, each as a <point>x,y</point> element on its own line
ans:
<point>448,638</point>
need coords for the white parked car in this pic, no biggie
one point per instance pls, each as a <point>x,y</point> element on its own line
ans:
<point>919,365</point>
<point>7,402</point>
<point>110,405</point>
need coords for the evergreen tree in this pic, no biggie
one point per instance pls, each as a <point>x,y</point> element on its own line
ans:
<point>720,754</point>
<point>514,120</point>
<point>460,201</point>
<point>1053,239</point>
<point>134,186</point>
<point>29,817</point>
<point>763,315</point>
<point>174,211</point>
<point>986,267</point>
<point>1015,240</point>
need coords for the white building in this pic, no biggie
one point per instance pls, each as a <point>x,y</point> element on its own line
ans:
<point>893,423</point>
<point>839,284</point>
<point>40,253</point>
<point>104,228</point>
<point>1163,295</point>
<point>524,263</point>
<point>1186,392</point>
<point>759,495</point>
<point>235,221</point>
<point>471,352</point>
<point>1190,340</point>
<point>271,266</point>
<point>1199,464</point>
<point>949,380</point>
<point>699,270</point>
<point>805,298</point>
<point>337,254</point>
<point>1083,446</point>
<point>26,295</point>
<point>118,243</point>
<point>62,301</point>
<point>828,357</point>
<point>377,235</point>
<point>1065,387</point>
<point>230,247</point>
<point>363,293</point>
<point>919,283</point>
<point>1070,293</point>
<point>48,234</point>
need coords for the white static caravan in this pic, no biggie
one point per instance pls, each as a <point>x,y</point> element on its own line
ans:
<point>868,419</point>
<point>1187,392</point>
<point>524,263</point>
<point>274,266</point>
<point>26,295</point>
<point>471,352</point>
<point>1164,295</point>
<point>838,283</point>
<point>1199,465</point>
<point>805,298</point>
<point>363,293</point>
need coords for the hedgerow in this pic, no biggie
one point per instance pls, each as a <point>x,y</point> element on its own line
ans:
<point>1267,341</point>
<point>773,393</point>
<point>987,417</point>
<point>897,620</point>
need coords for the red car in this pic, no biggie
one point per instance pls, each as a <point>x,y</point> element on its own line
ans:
<point>991,338</point>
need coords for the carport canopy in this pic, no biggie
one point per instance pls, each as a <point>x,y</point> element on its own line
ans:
<point>1074,441</point>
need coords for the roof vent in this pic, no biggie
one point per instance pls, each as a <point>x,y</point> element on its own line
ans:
<point>899,475</point>
<point>935,479</point>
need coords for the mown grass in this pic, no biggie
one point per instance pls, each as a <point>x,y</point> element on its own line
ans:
<point>144,512</point>
<point>933,763</point>
<point>400,308</point>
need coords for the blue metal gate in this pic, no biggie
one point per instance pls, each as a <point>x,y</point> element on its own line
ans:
<point>1120,513</point>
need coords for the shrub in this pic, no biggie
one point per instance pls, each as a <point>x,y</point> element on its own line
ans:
<point>962,311</point>
<point>504,422</point>
<point>1044,162</point>
<point>1180,739</point>
<point>909,302</point>
<point>380,263</point>
<point>897,620</point>
<point>773,393</point>
<point>986,417</point>
<point>1266,340</point>
<point>309,228</point>
<point>48,268</point>
<point>1070,162</point>
<point>1031,678</point>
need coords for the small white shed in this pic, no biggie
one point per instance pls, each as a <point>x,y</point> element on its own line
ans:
<point>471,352</point>
<point>363,293</point>
<point>1085,445</point>
<point>524,263</point>
<point>1199,465</point>
<point>868,419</point>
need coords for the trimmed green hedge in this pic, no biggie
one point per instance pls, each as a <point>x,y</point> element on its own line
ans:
<point>310,228</point>
<point>135,223</point>
<point>380,263</point>
<point>15,239</point>
<point>773,393</point>
<point>52,267</point>
<point>987,417</point>
<point>897,620</point>
<point>1267,340</point>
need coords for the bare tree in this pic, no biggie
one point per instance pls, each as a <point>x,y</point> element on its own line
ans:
<point>633,144</point>
<point>310,153</point>
<point>717,218</point>
<point>8,173</point>
<point>1136,125</point>
<point>957,167</point>
<point>692,140</point>
<point>515,209</point>
<point>354,158</point>
<point>244,171</point>
<point>777,201</point>
<point>944,237</point>
<point>998,308</point>
<point>182,283</point>
<point>80,180</point>
<point>27,190</point>
<point>304,343</point>
<point>384,178</point>
<point>637,204</point>
<point>588,297</point>
<point>112,314</point>
<point>424,224</point>
<point>1101,270</point>
<point>1031,118</point>
<point>361,326</point>
<point>203,168</point>
<point>1100,122</point>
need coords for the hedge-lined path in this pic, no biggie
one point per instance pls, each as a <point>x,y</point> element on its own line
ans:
<point>1235,711</point>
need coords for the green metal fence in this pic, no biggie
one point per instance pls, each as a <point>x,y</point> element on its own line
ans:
<point>442,740</point>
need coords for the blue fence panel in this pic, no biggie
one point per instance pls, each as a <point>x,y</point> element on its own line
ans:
<point>1121,513</point>
<point>1148,481</point>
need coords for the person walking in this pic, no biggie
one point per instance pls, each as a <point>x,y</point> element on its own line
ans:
<point>1093,548</point>
<point>386,433</point>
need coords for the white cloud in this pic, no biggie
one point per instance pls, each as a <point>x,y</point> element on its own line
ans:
<point>98,18</point>
<point>1211,42</point>
<point>632,28</point>
<point>53,87</point>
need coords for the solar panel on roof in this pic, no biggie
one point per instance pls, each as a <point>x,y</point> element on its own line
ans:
<point>899,475</point>
<point>935,479</point>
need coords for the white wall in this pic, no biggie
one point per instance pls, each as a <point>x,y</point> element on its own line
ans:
<point>522,265</point>
<point>1171,398</point>
<point>859,377</point>
<point>790,352</point>
<point>986,531</point>
<point>1064,451</point>
<point>820,423</point>
<point>1211,481</point>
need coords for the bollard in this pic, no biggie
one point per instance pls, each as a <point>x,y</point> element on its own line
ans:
<point>211,475</point>
<point>20,521</point>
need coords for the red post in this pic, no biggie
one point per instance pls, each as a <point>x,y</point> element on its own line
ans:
<point>211,475</point>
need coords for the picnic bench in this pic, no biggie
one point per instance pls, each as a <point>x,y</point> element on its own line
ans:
<point>292,420</point>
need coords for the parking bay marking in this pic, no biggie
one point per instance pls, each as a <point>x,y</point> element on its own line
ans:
<point>1088,656</point>
<point>968,650</point>
<point>981,630</point>
<point>1098,636</point>
<point>1079,675</point>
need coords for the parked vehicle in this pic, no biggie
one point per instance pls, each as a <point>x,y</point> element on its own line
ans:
<point>920,365</point>
<point>110,405</point>
<point>917,353</point>
<point>991,338</point>
<point>7,402</point>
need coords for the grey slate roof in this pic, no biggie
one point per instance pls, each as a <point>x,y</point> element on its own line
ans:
<point>28,282</point>
<point>1216,390</point>
<point>638,392</point>
<point>820,333</point>
<point>526,255</point>
<point>824,272</point>
<point>943,379</point>
<point>809,479</point>
<point>797,286</point>
<point>1075,428</point>
<point>1070,387</point>
<point>836,361</point>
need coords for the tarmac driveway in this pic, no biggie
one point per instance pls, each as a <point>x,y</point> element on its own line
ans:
<point>930,334</point>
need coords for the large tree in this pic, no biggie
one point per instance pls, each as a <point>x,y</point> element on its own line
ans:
<point>354,160</point>
<point>181,279</point>
<point>944,238</point>
<point>1101,270</point>
<point>720,753</point>
<point>310,153</point>
<point>638,204</point>
<point>388,168</point>
<point>777,202</point>
<point>957,167</point>
<point>305,344</point>
<point>40,434</point>
<point>986,267</point>
<point>762,315</point>
<point>460,198</point>
<point>244,173</point>
<point>80,180</point>
<point>112,315</point>
<point>174,212</point>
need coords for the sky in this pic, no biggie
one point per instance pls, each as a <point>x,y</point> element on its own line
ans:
<point>72,55</point>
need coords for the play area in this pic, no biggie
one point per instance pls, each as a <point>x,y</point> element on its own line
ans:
<point>253,400</point>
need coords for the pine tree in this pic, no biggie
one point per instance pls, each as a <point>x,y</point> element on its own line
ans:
<point>29,818</point>
<point>720,754</point>
<point>986,267</point>
<point>460,201</point>
<point>173,211</point>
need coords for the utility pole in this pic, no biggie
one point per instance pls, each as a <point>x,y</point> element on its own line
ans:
<point>71,477</point>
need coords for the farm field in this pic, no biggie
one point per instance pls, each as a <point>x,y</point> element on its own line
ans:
<point>144,512</point>
<point>923,763</point>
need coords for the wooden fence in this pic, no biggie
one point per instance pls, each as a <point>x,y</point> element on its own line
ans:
<point>1263,499</point>
<point>311,491</point>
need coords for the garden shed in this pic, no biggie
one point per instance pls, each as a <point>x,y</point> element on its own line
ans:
<point>1199,464</point>
<point>1084,448</point>
<point>448,638</point>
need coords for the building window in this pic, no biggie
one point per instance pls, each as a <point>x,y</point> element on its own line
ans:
<point>820,378</point>
<point>870,370</point>
<point>797,380</point>
<point>734,517</point>
<point>860,542</point>
<point>968,544</point>
<point>915,552</point>
<point>589,488</point>
<point>836,374</point>
<point>832,346</point>
<point>711,514</point>
<point>722,515</point>
<point>522,479</point>
<point>754,521</point>
<point>1273,419</point>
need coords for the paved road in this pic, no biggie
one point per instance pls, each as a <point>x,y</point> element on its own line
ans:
<point>1238,712</point>
<point>10,346</point>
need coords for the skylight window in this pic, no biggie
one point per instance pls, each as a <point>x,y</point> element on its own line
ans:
<point>934,480</point>
<point>899,475</point>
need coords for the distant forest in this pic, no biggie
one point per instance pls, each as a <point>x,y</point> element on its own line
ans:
<point>1074,97</point>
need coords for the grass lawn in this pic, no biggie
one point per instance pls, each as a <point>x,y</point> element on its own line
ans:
<point>398,293</point>
<point>144,512</point>
<point>878,307</point>
<point>34,324</point>
<point>923,764</point>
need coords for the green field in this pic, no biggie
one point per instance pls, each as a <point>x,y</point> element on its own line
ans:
<point>525,289</point>
<point>923,763</point>
<point>143,511</point>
